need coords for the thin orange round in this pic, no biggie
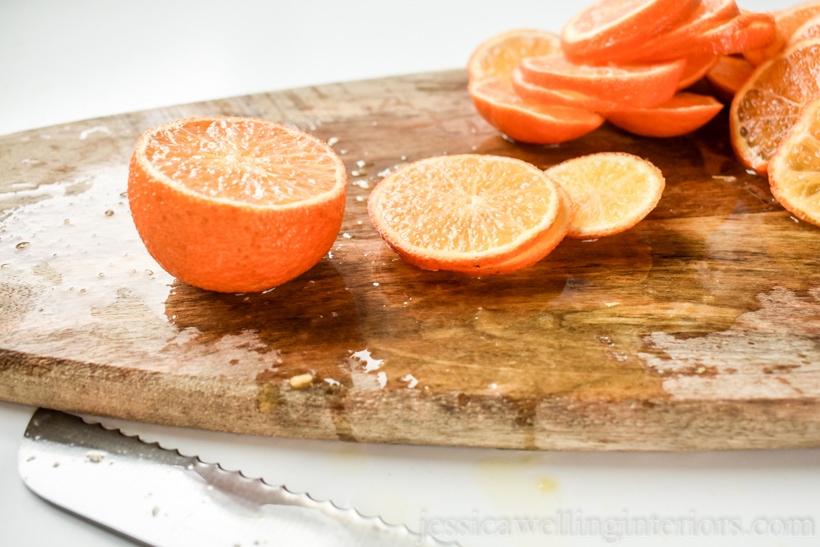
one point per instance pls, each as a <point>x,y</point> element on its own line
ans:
<point>612,192</point>
<point>497,56</point>
<point>468,213</point>
<point>235,204</point>
<point>528,121</point>
<point>682,114</point>
<point>631,85</point>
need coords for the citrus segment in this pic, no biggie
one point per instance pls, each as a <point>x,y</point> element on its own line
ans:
<point>631,85</point>
<point>728,76</point>
<point>608,29</point>
<point>497,56</point>
<point>794,172</point>
<point>683,113</point>
<point>468,213</point>
<point>612,192</point>
<point>767,105</point>
<point>235,204</point>
<point>527,121</point>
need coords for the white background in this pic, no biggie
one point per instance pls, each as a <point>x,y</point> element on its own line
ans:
<point>68,60</point>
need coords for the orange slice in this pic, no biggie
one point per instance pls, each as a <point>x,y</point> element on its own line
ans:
<point>607,30</point>
<point>743,33</point>
<point>612,192</point>
<point>809,29</point>
<point>474,214</point>
<point>630,85</point>
<point>728,76</point>
<point>683,113</point>
<point>235,204</point>
<point>697,66</point>
<point>787,22</point>
<point>794,171</point>
<point>707,15</point>
<point>497,56</point>
<point>768,104</point>
<point>527,121</point>
<point>559,97</point>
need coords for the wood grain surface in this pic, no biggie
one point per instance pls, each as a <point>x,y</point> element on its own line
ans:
<point>697,329</point>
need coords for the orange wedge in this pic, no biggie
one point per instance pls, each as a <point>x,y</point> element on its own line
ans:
<point>608,30</point>
<point>794,171</point>
<point>472,214</point>
<point>612,192</point>
<point>497,56</point>
<point>683,113</point>
<point>630,85</point>
<point>235,204</point>
<point>527,121</point>
<point>765,108</point>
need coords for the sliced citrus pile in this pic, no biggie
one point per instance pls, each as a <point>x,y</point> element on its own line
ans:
<point>525,121</point>
<point>519,117</point>
<point>612,192</point>
<point>472,214</point>
<point>615,56</point>
<point>794,171</point>
<point>235,204</point>
<point>681,114</point>
<point>766,107</point>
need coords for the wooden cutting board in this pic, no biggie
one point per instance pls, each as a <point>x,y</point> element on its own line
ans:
<point>697,329</point>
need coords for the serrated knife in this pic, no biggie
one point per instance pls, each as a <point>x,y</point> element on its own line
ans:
<point>161,497</point>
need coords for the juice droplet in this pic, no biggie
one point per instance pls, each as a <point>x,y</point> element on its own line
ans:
<point>109,213</point>
<point>22,245</point>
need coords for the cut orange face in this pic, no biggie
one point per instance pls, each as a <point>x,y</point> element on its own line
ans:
<point>497,56</point>
<point>526,121</point>
<point>473,214</point>
<point>630,85</point>
<point>683,113</point>
<point>608,30</point>
<point>809,29</point>
<point>765,108</point>
<point>728,76</point>
<point>235,204</point>
<point>794,172</point>
<point>612,192</point>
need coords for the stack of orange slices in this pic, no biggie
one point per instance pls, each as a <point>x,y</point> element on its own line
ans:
<point>625,62</point>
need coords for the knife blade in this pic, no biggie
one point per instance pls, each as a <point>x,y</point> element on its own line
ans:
<point>161,497</point>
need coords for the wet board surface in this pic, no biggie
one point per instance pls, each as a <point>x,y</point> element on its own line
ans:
<point>697,329</point>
